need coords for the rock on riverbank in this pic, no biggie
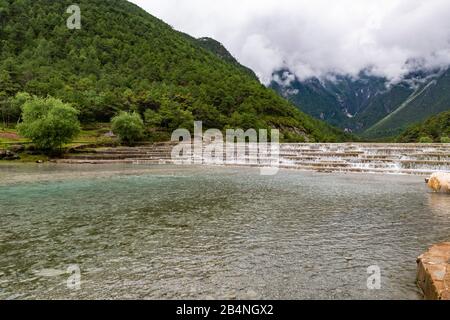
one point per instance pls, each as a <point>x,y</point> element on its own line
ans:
<point>433,275</point>
<point>8,155</point>
<point>440,182</point>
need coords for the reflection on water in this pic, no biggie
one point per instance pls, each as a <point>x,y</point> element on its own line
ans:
<point>439,202</point>
<point>194,232</point>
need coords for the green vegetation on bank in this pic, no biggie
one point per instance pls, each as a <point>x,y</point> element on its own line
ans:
<point>124,59</point>
<point>129,127</point>
<point>434,129</point>
<point>27,157</point>
<point>48,123</point>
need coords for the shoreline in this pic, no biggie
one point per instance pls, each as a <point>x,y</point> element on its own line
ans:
<point>433,272</point>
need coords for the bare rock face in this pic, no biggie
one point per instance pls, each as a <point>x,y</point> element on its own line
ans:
<point>440,182</point>
<point>433,274</point>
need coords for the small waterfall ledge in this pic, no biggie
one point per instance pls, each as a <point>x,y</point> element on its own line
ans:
<point>433,274</point>
<point>418,159</point>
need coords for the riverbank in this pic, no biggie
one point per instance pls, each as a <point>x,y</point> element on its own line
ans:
<point>433,275</point>
<point>25,158</point>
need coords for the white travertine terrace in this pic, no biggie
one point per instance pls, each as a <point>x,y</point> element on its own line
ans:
<point>419,159</point>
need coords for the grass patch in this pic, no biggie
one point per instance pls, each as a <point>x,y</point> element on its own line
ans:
<point>28,158</point>
<point>93,133</point>
<point>10,136</point>
<point>25,157</point>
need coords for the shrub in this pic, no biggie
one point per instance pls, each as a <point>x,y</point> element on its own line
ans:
<point>445,139</point>
<point>49,123</point>
<point>129,127</point>
<point>425,139</point>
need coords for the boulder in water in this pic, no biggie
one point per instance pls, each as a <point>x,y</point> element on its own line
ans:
<point>439,182</point>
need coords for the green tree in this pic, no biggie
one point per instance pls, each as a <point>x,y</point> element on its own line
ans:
<point>11,108</point>
<point>7,86</point>
<point>128,126</point>
<point>174,117</point>
<point>425,139</point>
<point>49,123</point>
<point>152,118</point>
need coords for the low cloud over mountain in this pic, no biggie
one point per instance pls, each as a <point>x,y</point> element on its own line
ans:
<point>319,38</point>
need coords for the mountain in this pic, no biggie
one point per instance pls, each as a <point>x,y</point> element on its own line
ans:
<point>368,105</point>
<point>435,128</point>
<point>428,97</point>
<point>123,58</point>
<point>336,100</point>
<point>219,50</point>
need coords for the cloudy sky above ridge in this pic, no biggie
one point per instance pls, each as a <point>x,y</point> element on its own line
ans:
<point>318,37</point>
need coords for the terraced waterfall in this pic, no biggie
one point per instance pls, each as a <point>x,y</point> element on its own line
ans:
<point>418,159</point>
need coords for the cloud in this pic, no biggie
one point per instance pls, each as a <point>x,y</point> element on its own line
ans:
<point>320,37</point>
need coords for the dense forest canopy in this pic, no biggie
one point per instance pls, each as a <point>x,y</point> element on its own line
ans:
<point>124,59</point>
<point>434,129</point>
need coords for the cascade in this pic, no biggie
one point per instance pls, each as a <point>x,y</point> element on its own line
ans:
<point>421,159</point>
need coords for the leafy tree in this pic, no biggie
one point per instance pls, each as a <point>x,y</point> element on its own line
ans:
<point>425,140</point>
<point>174,117</point>
<point>11,109</point>
<point>246,121</point>
<point>152,118</point>
<point>128,126</point>
<point>49,123</point>
<point>7,85</point>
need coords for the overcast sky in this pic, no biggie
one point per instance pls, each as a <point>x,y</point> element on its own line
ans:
<point>318,37</point>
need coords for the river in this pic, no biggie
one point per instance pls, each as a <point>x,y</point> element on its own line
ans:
<point>175,232</point>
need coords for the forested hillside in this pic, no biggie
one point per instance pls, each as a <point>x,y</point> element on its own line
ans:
<point>429,98</point>
<point>434,129</point>
<point>125,59</point>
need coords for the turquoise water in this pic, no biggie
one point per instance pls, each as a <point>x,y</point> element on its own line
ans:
<point>156,232</point>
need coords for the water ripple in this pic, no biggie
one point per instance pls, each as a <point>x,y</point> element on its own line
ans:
<point>185,232</point>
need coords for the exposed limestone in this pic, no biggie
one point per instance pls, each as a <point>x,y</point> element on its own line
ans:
<point>418,159</point>
<point>433,274</point>
<point>439,182</point>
